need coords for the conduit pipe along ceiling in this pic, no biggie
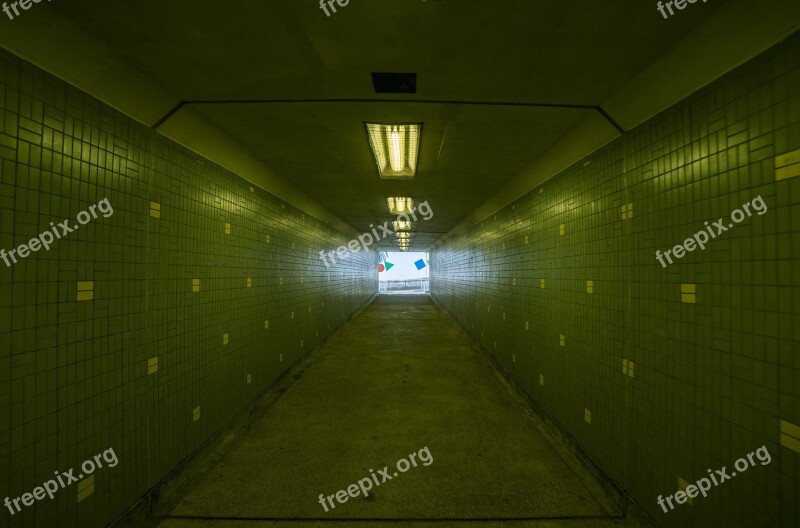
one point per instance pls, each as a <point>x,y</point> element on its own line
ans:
<point>395,147</point>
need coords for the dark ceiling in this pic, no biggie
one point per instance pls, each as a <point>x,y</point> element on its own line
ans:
<point>498,83</point>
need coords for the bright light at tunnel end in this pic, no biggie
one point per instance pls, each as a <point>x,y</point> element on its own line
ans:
<point>401,225</point>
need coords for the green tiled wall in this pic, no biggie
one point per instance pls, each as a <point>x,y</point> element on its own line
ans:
<point>74,375</point>
<point>711,380</point>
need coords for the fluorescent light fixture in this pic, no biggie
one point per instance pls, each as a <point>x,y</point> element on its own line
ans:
<point>403,235</point>
<point>395,148</point>
<point>400,205</point>
<point>401,225</point>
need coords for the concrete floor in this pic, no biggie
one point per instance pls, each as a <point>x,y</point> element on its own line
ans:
<point>396,379</point>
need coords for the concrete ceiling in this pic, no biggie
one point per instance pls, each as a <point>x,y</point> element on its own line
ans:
<point>467,153</point>
<point>501,85</point>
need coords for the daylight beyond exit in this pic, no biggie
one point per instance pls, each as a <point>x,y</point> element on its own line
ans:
<point>404,272</point>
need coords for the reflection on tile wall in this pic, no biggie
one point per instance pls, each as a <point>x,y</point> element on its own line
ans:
<point>146,330</point>
<point>660,373</point>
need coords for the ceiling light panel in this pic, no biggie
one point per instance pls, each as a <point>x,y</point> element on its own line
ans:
<point>395,148</point>
<point>399,205</point>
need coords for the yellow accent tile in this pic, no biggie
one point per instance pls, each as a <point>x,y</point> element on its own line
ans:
<point>302,280</point>
<point>249,282</point>
<point>266,324</point>
<point>787,165</point>
<point>225,339</point>
<point>541,283</point>
<point>514,281</point>
<point>85,483</point>
<point>280,281</point>
<point>562,340</point>
<point>249,379</point>
<point>292,315</point>
<point>790,429</point>
<point>688,293</point>
<point>627,211</point>
<point>526,239</point>
<point>85,295</point>
<point>152,365</point>
<point>541,379</point>
<point>267,239</point>
<point>589,286</point>
<point>587,415</point>
<point>196,414</point>
<point>155,210</point>
<point>85,487</point>
<point>527,326</point>
<point>682,485</point>
<point>561,229</point>
<point>85,290</point>
<point>790,442</point>
<point>227,228</point>
<point>504,315</point>
<point>627,367</point>
<point>784,173</point>
<point>789,158</point>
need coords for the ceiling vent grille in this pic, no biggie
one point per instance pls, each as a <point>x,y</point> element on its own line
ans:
<point>394,83</point>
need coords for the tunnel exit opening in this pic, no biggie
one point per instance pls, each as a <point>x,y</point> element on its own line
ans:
<point>403,272</point>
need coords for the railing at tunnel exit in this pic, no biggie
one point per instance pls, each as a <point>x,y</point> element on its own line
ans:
<point>397,286</point>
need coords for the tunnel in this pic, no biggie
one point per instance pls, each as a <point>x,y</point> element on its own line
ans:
<point>400,263</point>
